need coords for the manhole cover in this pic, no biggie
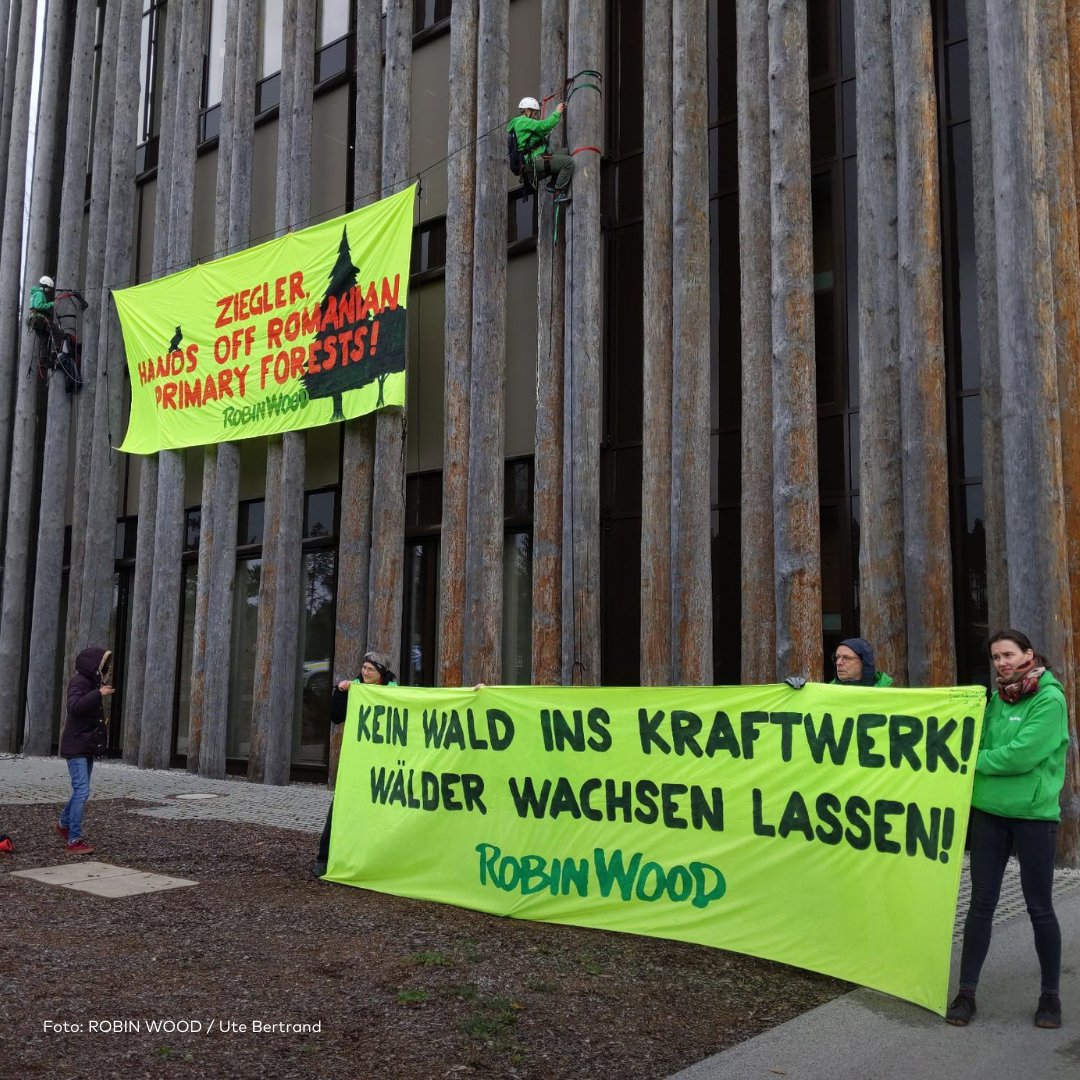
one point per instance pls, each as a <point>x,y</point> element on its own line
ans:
<point>198,795</point>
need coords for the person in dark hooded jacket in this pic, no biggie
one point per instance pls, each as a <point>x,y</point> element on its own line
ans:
<point>83,738</point>
<point>854,660</point>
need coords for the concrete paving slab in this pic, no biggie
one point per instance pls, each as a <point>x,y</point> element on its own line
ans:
<point>68,873</point>
<point>132,883</point>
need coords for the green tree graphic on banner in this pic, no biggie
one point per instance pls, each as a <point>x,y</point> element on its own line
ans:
<point>377,347</point>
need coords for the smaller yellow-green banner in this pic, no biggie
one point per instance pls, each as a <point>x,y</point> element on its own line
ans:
<point>294,333</point>
<point>822,827</point>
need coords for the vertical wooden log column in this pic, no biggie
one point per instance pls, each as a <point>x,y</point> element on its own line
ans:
<point>25,482</point>
<point>388,494</point>
<point>1061,151</point>
<point>209,507</point>
<point>927,545</point>
<point>997,583</point>
<point>547,615</point>
<point>758,632</point>
<point>93,281</point>
<point>1039,588</point>
<point>358,436</point>
<point>276,647</point>
<point>134,681</point>
<point>797,551</point>
<point>457,336</point>
<point>691,526</point>
<point>882,606</point>
<point>10,17</point>
<point>222,563</point>
<point>163,628</point>
<point>103,491</point>
<point>581,371</point>
<point>657,364</point>
<point>11,301</point>
<point>485,510</point>
<point>55,470</point>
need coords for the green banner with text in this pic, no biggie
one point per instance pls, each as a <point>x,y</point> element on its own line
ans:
<point>822,827</point>
<point>297,332</point>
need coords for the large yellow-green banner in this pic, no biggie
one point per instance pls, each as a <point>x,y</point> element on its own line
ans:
<point>822,827</point>
<point>294,333</point>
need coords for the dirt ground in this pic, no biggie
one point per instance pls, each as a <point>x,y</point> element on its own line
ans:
<point>398,988</point>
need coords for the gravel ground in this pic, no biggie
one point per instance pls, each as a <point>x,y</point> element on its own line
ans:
<point>394,988</point>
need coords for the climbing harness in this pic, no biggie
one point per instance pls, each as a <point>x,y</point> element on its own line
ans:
<point>59,347</point>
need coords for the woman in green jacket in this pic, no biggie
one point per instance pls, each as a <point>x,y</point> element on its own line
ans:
<point>1019,774</point>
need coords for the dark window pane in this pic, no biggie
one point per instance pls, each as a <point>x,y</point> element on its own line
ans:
<point>728,380</point>
<point>955,20</point>
<point>629,125</point>
<point>956,68</point>
<point>727,597</point>
<point>245,625</point>
<point>727,157</point>
<point>831,457</point>
<point>249,523</point>
<point>517,609</point>
<point>971,437</point>
<point>853,451</point>
<point>331,60</point>
<point>319,509</point>
<point>823,124</point>
<point>847,39</point>
<point>828,388</point>
<point>962,197</point>
<point>726,89</point>
<point>518,488</point>
<point>192,525</point>
<point>625,373</point>
<point>835,578</point>
<point>625,465</point>
<point>311,732</point>
<point>521,220</point>
<point>851,280</point>
<point>629,189</point>
<point>728,464</point>
<point>429,12</point>
<point>819,31</point>
<point>268,93</point>
<point>847,101</point>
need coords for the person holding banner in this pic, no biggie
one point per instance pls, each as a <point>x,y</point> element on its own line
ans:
<point>375,670</point>
<point>854,660</point>
<point>1019,774</point>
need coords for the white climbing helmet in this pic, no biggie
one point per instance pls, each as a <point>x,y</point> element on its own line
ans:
<point>47,282</point>
<point>529,103</point>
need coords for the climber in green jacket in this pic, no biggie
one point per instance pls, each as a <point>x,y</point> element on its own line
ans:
<point>532,139</point>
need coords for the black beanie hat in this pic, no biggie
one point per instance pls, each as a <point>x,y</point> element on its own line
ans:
<point>865,652</point>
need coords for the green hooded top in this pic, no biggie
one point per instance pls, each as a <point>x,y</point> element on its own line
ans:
<point>532,134</point>
<point>880,679</point>
<point>1020,769</point>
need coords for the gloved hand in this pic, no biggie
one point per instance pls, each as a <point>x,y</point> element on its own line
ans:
<point>796,682</point>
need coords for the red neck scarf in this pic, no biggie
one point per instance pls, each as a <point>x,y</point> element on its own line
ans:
<point>1023,681</point>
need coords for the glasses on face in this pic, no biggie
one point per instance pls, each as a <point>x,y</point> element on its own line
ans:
<point>840,658</point>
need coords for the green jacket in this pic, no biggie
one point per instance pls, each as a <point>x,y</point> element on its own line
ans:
<point>1020,769</point>
<point>532,134</point>
<point>38,301</point>
<point>880,679</point>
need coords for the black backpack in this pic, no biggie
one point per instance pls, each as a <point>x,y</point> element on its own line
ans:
<point>516,159</point>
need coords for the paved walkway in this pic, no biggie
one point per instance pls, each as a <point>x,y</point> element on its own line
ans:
<point>861,1036</point>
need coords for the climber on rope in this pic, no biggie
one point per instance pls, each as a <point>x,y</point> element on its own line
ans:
<point>530,158</point>
<point>59,348</point>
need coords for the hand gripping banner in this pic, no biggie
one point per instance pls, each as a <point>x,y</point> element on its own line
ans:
<point>297,332</point>
<point>822,827</point>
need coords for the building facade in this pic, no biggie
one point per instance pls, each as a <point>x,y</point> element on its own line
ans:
<point>734,416</point>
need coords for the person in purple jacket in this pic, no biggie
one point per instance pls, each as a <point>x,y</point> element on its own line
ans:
<point>83,738</point>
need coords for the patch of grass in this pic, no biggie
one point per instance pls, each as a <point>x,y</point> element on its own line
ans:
<point>540,986</point>
<point>464,992</point>
<point>473,953</point>
<point>412,997</point>
<point>495,1016</point>
<point>429,959</point>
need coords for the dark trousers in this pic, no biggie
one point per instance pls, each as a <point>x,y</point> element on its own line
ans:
<point>324,842</point>
<point>992,841</point>
<point>559,165</point>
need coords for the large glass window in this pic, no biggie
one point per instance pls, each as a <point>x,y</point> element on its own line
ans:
<point>150,69</point>
<point>429,12</point>
<point>332,22</point>
<point>245,625</point>
<point>517,608</point>
<point>311,727</point>
<point>269,57</point>
<point>419,624</point>
<point>215,52</point>
<point>187,631</point>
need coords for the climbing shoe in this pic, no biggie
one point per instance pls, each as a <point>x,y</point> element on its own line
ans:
<point>962,1009</point>
<point>1048,1014</point>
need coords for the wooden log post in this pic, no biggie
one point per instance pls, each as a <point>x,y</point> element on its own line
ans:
<point>997,583</point>
<point>103,491</point>
<point>581,370</point>
<point>134,681</point>
<point>882,604</point>
<point>795,484</point>
<point>758,630</point>
<point>485,510</point>
<point>1039,588</point>
<point>86,405</point>
<point>657,361</point>
<point>691,562</point>
<point>457,336</point>
<point>547,614</point>
<point>11,300</point>
<point>388,493</point>
<point>10,18</point>
<point>358,436</point>
<point>25,481</point>
<point>41,698</point>
<point>927,544</point>
<point>1061,151</point>
<point>163,628</point>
